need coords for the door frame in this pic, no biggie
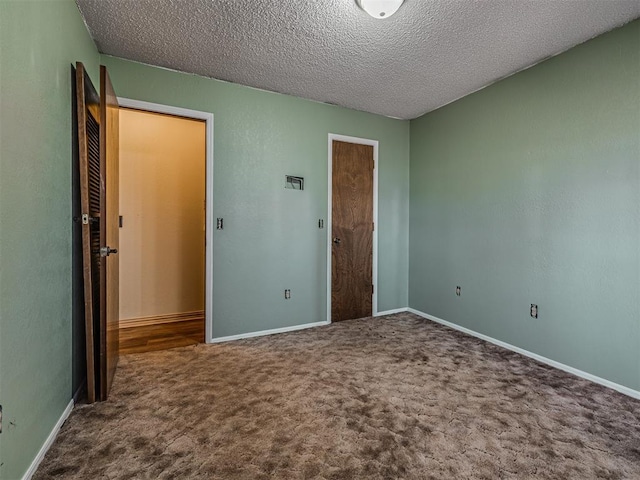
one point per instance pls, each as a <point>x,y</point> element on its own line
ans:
<point>208,119</point>
<point>374,264</point>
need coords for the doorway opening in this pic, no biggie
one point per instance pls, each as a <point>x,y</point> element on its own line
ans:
<point>165,226</point>
<point>352,239</point>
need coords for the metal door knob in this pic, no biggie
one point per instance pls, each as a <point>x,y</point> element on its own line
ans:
<point>106,251</point>
<point>336,240</point>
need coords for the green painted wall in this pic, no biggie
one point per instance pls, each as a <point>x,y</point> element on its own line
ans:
<point>39,40</point>
<point>525,192</point>
<point>529,192</point>
<point>271,240</point>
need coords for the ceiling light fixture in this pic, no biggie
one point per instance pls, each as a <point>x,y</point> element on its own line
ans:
<point>380,8</point>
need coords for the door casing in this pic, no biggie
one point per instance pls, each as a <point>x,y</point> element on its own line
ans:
<point>328,223</point>
<point>208,118</point>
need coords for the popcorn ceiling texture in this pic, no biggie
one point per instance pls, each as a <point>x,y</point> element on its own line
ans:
<point>425,56</point>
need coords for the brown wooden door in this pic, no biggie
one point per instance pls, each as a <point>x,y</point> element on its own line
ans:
<point>352,231</point>
<point>98,157</point>
<point>109,232</point>
<point>88,115</point>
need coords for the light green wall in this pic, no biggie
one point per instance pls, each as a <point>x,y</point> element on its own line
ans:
<point>38,43</point>
<point>525,192</point>
<point>271,240</point>
<point>529,192</point>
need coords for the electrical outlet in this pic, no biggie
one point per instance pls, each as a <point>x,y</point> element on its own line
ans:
<point>458,291</point>
<point>534,310</point>
<point>287,294</point>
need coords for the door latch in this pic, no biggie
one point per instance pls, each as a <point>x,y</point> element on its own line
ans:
<point>106,251</point>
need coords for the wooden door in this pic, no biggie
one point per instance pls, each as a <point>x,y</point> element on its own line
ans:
<point>98,158</point>
<point>109,232</point>
<point>88,115</point>
<point>352,231</point>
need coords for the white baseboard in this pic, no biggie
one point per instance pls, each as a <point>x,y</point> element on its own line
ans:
<point>47,444</point>
<point>561,366</point>
<point>262,333</point>
<point>391,312</point>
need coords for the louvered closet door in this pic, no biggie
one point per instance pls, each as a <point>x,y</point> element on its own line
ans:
<point>88,105</point>
<point>98,156</point>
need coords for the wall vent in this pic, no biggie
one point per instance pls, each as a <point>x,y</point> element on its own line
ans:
<point>294,183</point>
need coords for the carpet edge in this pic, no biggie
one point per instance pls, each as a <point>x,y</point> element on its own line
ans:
<point>560,366</point>
<point>272,331</point>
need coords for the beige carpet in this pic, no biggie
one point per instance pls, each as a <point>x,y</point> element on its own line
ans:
<point>390,397</point>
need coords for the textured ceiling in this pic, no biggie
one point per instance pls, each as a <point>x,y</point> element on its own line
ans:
<point>428,54</point>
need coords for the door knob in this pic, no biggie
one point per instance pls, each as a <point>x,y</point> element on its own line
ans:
<point>336,240</point>
<point>106,251</point>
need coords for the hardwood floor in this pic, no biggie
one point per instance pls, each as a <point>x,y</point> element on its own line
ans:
<point>151,338</point>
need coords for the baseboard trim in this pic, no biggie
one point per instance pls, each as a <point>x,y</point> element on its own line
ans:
<point>48,442</point>
<point>273,331</point>
<point>391,312</point>
<point>159,319</point>
<point>561,366</point>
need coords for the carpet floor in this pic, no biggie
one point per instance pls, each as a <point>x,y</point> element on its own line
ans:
<point>377,398</point>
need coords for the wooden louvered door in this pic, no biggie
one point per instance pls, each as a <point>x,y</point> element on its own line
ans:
<point>98,157</point>
<point>88,105</point>
<point>352,231</point>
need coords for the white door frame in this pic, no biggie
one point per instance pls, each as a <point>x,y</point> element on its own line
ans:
<point>208,118</point>
<point>374,267</point>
